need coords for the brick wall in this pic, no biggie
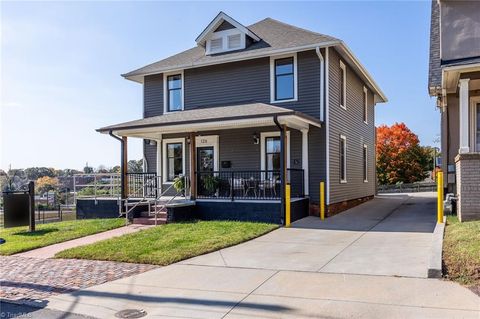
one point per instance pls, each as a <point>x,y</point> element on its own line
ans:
<point>468,186</point>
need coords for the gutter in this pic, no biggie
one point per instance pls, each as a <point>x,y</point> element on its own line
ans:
<point>122,165</point>
<point>283,180</point>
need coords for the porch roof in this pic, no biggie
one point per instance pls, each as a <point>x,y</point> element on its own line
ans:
<point>213,118</point>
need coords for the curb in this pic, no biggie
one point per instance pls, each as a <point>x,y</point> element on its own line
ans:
<point>435,258</point>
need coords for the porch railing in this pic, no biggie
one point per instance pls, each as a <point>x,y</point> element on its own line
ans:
<point>247,185</point>
<point>142,185</point>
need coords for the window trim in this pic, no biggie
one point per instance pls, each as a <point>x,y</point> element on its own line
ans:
<point>164,157</point>
<point>343,70</point>
<point>365,105</point>
<point>365,162</point>
<point>343,181</point>
<point>165,91</point>
<point>273,77</point>
<point>263,136</point>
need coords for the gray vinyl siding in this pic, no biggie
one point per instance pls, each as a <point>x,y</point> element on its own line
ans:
<point>350,123</point>
<point>241,82</point>
<point>153,95</point>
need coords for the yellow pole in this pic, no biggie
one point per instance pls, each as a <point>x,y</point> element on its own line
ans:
<point>287,205</point>
<point>322,200</point>
<point>440,197</point>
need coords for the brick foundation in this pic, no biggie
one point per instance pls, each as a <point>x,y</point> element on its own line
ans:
<point>336,208</point>
<point>468,186</point>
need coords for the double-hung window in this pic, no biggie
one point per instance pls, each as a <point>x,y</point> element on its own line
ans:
<point>365,163</point>
<point>283,77</point>
<point>365,105</point>
<point>272,153</point>
<point>174,93</point>
<point>343,159</point>
<point>343,85</point>
<point>174,160</point>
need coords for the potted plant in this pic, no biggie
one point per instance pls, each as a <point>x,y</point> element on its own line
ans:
<point>211,182</point>
<point>179,184</point>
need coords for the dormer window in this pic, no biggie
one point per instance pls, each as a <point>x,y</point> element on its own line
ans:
<point>225,34</point>
<point>227,40</point>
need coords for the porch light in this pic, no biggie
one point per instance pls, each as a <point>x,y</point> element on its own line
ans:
<point>151,142</point>
<point>256,139</point>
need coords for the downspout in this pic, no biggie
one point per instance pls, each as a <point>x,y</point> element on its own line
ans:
<point>327,129</point>
<point>122,176</point>
<point>322,66</point>
<point>282,168</point>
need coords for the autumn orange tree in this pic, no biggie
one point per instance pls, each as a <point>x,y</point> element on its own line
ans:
<point>400,158</point>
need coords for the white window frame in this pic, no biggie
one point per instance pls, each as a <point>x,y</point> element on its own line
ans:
<point>344,138</point>
<point>365,162</point>
<point>343,70</point>
<point>263,136</point>
<point>365,105</point>
<point>473,123</point>
<point>224,35</point>
<point>273,78</point>
<point>164,158</point>
<point>209,141</point>
<point>165,90</point>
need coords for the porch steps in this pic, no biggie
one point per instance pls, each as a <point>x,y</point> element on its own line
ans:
<point>149,220</point>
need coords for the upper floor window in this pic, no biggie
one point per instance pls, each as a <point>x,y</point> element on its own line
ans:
<point>173,88</point>
<point>284,79</point>
<point>343,85</point>
<point>365,105</point>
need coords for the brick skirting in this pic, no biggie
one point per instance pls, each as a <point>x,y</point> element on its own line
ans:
<point>336,208</point>
<point>468,186</point>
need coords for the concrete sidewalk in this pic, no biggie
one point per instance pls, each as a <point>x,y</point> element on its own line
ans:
<point>50,251</point>
<point>346,266</point>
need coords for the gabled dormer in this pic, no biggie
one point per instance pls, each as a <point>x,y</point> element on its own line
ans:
<point>225,34</point>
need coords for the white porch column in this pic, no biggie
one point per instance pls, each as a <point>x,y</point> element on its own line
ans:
<point>305,159</point>
<point>463,115</point>
<point>159,157</point>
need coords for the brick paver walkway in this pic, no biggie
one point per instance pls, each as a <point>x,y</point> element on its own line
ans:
<point>31,280</point>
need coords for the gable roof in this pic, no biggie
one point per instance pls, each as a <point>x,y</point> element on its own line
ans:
<point>276,38</point>
<point>217,21</point>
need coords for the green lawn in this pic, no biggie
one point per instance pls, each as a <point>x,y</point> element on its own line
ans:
<point>461,252</point>
<point>19,239</point>
<point>170,243</point>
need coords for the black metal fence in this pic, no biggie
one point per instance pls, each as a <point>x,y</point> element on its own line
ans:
<point>143,185</point>
<point>247,185</point>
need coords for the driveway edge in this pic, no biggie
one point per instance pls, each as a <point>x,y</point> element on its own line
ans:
<point>435,259</point>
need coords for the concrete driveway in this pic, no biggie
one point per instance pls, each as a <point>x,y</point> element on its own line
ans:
<point>370,261</point>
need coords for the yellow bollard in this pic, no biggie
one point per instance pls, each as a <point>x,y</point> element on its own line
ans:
<point>287,205</point>
<point>440,197</point>
<point>322,200</point>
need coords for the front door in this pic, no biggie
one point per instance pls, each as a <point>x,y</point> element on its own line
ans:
<point>205,159</point>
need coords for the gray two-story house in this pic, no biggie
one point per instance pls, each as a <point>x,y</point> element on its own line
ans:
<point>454,79</point>
<point>251,109</point>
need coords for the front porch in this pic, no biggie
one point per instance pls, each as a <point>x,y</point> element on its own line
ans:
<point>230,161</point>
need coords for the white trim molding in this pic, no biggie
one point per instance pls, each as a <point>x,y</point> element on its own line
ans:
<point>263,135</point>
<point>164,158</point>
<point>305,160</point>
<point>365,105</point>
<point>225,36</point>
<point>165,90</point>
<point>209,141</point>
<point>273,78</point>
<point>463,115</point>
<point>343,181</point>
<point>343,72</point>
<point>159,156</point>
<point>365,162</point>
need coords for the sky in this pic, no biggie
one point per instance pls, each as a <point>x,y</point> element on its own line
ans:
<point>61,62</point>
